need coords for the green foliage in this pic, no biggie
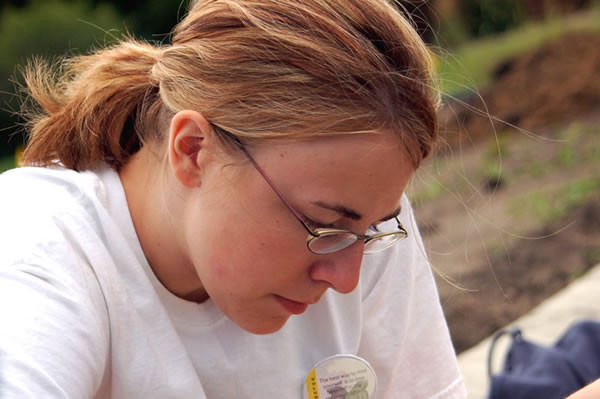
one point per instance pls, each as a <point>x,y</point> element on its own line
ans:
<point>154,19</point>
<point>580,143</point>
<point>7,162</point>
<point>452,31</point>
<point>433,190</point>
<point>51,27</point>
<point>550,204</point>
<point>484,17</point>
<point>46,28</point>
<point>592,255</point>
<point>567,156</point>
<point>470,65</point>
<point>591,152</point>
<point>594,153</point>
<point>496,149</point>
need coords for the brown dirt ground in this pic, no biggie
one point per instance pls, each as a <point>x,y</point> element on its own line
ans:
<point>503,260</point>
<point>557,82</point>
<point>529,272</point>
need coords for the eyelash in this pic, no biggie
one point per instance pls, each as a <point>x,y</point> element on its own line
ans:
<point>316,225</point>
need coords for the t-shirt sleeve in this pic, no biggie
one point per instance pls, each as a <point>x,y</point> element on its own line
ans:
<point>54,336</point>
<point>54,329</point>
<point>405,336</point>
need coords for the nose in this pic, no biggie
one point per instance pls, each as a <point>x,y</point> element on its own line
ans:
<point>340,270</point>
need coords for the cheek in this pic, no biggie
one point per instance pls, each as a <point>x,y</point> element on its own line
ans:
<point>218,254</point>
<point>258,238</point>
<point>238,245</point>
<point>235,252</point>
<point>253,263</point>
<point>220,267</point>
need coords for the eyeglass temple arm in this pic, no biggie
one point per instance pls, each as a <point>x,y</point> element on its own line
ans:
<point>287,204</point>
<point>401,226</point>
<point>279,194</point>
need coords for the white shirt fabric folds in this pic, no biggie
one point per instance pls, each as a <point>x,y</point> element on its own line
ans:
<point>83,316</point>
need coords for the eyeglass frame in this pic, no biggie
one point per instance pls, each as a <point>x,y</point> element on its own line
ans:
<point>313,234</point>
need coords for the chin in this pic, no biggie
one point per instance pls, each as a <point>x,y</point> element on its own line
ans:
<point>263,327</point>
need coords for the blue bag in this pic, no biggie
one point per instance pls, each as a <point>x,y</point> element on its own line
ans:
<point>537,372</point>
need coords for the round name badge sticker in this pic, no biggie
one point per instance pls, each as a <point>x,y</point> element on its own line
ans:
<point>341,377</point>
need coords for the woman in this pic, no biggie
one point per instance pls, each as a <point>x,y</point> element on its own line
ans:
<point>194,216</point>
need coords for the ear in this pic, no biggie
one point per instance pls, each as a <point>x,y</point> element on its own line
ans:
<point>192,144</point>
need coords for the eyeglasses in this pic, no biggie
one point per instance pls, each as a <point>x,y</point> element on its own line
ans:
<point>324,240</point>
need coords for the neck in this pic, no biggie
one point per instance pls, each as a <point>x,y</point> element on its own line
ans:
<point>155,213</point>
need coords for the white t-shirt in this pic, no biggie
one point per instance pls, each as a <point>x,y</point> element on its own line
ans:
<point>83,316</point>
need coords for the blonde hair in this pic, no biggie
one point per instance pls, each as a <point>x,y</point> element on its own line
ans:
<point>258,69</point>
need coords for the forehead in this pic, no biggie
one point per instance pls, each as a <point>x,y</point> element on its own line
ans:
<point>359,149</point>
<point>365,172</point>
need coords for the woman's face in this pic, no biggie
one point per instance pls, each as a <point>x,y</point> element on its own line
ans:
<point>248,249</point>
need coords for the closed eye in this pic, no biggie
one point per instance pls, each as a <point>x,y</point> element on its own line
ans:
<point>314,225</point>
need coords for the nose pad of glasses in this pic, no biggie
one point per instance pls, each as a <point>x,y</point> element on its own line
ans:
<point>327,243</point>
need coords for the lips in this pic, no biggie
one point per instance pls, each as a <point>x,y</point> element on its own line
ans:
<point>291,306</point>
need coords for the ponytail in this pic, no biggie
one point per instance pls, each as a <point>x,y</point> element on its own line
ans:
<point>91,108</point>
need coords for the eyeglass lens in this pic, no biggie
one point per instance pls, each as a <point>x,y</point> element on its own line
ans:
<point>332,242</point>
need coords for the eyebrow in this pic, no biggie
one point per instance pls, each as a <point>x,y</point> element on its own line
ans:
<point>352,214</point>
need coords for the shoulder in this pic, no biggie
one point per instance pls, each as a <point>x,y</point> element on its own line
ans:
<point>46,212</point>
<point>61,317</point>
<point>32,192</point>
<point>49,215</point>
<point>48,188</point>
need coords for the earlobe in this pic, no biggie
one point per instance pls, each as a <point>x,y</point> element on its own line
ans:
<point>189,134</point>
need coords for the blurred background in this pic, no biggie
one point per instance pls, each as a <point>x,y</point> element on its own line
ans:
<point>509,206</point>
